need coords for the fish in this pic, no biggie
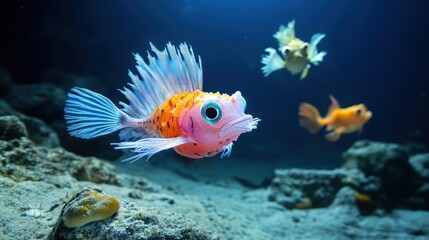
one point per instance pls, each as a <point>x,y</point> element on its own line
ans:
<point>337,121</point>
<point>296,55</point>
<point>167,109</point>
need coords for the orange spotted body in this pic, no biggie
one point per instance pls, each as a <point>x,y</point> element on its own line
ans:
<point>165,123</point>
<point>165,119</point>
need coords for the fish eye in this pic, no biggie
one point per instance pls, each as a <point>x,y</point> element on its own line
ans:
<point>211,112</point>
<point>359,112</point>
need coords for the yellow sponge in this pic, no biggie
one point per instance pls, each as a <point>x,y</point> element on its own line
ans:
<point>89,205</point>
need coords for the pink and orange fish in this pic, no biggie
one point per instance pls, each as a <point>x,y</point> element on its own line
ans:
<point>167,109</point>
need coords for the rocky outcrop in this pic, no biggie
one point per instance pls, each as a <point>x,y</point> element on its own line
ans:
<point>384,175</point>
<point>37,130</point>
<point>302,188</point>
<point>22,160</point>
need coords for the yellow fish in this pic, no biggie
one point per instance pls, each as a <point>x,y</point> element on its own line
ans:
<point>337,121</point>
<point>296,55</point>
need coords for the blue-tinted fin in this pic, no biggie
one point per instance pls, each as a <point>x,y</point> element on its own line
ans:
<point>89,114</point>
<point>226,150</point>
<point>130,134</point>
<point>147,147</point>
<point>313,55</point>
<point>171,71</point>
<point>272,62</point>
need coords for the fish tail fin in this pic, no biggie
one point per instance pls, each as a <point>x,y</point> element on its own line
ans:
<point>310,118</point>
<point>272,62</point>
<point>285,34</point>
<point>313,54</point>
<point>89,114</point>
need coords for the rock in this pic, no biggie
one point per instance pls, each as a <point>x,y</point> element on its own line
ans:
<point>386,161</point>
<point>132,222</point>
<point>301,188</point>
<point>420,163</point>
<point>372,157</point>
<point>415,148</point>
<point>42,100</point>
<point>38,131</point>
<point>21,160</point>
<point>345,197</point>
<point>11,128</point>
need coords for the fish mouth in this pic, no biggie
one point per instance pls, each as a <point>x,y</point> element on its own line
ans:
<point>368,115</point>
<point>241,125</point>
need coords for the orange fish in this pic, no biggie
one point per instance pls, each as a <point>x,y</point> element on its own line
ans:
<point>337,120</point>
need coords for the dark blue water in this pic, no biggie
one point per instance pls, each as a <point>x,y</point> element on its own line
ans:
<point>377,55</point>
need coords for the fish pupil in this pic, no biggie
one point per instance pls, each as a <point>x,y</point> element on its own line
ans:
<point>358,112</point>
<point>211,113</point>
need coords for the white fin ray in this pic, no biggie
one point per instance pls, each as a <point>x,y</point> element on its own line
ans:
<point>130,134</point>
<point>272,62</point>
<point>285,34</point>
<point>147,147</point>
<point>313,54</point>
<point>305,72</point>
<point>89,114</point>
<point>226,150</point>
<point>171,71</point>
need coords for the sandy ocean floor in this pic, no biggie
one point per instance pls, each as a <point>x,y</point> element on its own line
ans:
<point>206,193</point>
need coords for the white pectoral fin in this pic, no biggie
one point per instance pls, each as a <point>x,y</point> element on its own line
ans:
<point>305,72</point>
<point>147,147</point>
<point>226,150</point>
<point>313,54</point>
<point>318,58</point>
<point>272,62</point>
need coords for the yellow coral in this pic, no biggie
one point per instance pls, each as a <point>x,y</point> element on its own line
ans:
<point>89,205</point>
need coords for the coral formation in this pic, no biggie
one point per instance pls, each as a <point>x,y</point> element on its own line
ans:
<point>88,205</point>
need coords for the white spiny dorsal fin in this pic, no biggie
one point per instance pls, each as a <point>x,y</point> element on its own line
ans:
<point>334,105</point>
<point>285,34</point>
<point>171,71</point>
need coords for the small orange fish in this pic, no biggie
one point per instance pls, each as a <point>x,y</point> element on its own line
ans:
<point>337,121</point>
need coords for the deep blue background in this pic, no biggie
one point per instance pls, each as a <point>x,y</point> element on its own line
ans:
<point>377,55</point>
